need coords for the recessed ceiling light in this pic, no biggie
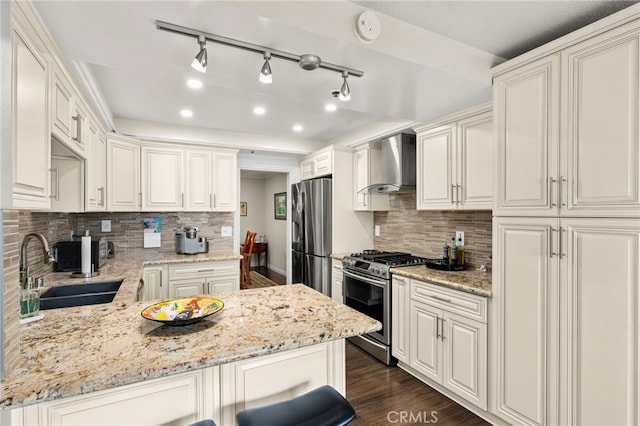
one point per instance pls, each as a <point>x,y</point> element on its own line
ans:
<point>297,127</point>
<point>186,113</point>
<point>330,107</point>
<point>194,84</point>
<point>259,110</point>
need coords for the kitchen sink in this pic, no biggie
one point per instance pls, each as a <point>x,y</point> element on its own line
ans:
<point>66,296</point>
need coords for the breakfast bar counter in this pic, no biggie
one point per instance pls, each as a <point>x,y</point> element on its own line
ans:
<point>76,351</point>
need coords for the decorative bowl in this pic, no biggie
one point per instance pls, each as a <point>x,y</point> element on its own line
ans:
<point>182,311</point>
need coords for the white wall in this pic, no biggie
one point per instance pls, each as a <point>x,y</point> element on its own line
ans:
<point>258,194</point>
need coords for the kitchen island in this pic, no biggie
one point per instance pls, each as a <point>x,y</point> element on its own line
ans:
<point>230,360</point>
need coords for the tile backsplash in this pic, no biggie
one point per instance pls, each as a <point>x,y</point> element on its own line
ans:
<point>424,232</point>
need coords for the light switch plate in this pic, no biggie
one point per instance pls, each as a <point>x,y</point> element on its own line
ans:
<point>106,226</point>
<point>460,238</point>
<point>376,230</point>
<point>226,231</point>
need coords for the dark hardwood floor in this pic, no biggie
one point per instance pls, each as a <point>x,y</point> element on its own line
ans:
<point>381,395</point>
<point>273,276</point>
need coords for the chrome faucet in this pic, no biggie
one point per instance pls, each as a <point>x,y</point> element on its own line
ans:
<point>24,268</point>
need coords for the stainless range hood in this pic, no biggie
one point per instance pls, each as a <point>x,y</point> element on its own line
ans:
<point>398,158</point>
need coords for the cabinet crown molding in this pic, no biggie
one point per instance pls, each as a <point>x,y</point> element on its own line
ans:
<point>456,116</point>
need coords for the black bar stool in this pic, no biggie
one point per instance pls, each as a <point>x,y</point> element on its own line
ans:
<point>323,406</point>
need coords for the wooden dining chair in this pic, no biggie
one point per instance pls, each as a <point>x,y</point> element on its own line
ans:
<point>245,264</point>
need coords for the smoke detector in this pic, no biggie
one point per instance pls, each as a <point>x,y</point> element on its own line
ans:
<point>367,27</point>
<point>309,62</point>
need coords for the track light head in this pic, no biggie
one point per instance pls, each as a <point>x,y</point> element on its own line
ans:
<point>200,61</point>
<point>265,73</point>
<point>345,92</point>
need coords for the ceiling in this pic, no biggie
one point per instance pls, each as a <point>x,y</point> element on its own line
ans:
<point>431,58</point>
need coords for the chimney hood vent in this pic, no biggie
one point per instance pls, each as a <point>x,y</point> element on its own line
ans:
<point>398,166</point>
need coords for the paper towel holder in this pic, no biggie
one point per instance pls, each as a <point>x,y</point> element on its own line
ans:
<point>93,272</point>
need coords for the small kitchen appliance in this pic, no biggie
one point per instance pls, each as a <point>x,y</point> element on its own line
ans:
<point>68,255</point>
<point>367,288</point>
<point>188,242</point>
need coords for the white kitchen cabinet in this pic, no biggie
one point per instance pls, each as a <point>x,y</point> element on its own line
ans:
<point>225,172</point>
<point>447,339</point>
<point>566,297</point>
<point>62,104</point>
<point>67,184</point>
<point>455,161</point>
<point>336,281</point>
<point>161,176</point>
<point>318,164</point>
<point>571,151</point>
<point>31,125</point>
<point>147,403</point>
<point>96,169</point>
<point>400,318</point>
<point>123,173</point>
<point>155,283</point>
<point>278,377</point>
<point>366,171</point>
<point>197,278</point>
<point>198,180</point>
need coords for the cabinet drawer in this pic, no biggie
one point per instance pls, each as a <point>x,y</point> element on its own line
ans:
<point>458,302</point>
<point>226,267</point>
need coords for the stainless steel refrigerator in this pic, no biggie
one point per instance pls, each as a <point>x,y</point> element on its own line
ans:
<point>311,233</point>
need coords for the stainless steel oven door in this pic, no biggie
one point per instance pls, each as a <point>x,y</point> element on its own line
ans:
<point>372,297</point>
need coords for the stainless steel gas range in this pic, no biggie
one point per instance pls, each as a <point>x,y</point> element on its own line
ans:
<point>367,288</point>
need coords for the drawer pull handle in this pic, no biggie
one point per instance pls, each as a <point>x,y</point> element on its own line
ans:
<point>206,270</point>
<point>442,299</point>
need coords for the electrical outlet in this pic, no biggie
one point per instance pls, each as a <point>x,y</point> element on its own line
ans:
<point>376,230</point>
<point>460,238</point>
<point>226,231</point>
<point>106,226</point>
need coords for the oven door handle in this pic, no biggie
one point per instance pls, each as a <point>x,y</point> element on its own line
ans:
<point>365,279</point>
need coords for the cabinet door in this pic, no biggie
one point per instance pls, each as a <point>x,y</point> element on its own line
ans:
<point>475,162</point>
<point>464,354</point>
<point>79,128</point>
<point>602,272</point>
<point>525,104</point>
<point>198,190</point>
<point>96,170</point>
<point>186,288</point>
<point>425,349</point>
<point>155,283</point>
<point>601,168</point>
<point>400,318</point>
<point>436,186</point>
<point>31,132</point>
<point>67,192</point>
<point>223,283</point>
<point>162,179</point>
<point>525,301</point>
<point>360,179</point>
<point>307,169</point>
<point>336,281</point>
<point>123,174</point>
<point>224,182</point>
<point>62,107</point>
<point>323,164</point>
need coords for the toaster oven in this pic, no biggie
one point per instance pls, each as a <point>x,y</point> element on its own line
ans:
<point>68,255</point>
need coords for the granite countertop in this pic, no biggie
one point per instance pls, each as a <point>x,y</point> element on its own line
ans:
<point>470,280</point>
<point>84,349</point>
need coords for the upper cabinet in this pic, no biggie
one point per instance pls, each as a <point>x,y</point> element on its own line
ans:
<point>162,180</point>
<point>567,130</point>
<point>96,170</point>
<point>318,164</point>
<point>123,174</point>
<point>366,171</point>
<point>70,116</point>
<point>455,162</point>
<point>225,181</point>
<point>31,125</point>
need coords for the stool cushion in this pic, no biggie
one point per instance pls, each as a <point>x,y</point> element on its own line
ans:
<point>323,406</point>
<point>206,422</point>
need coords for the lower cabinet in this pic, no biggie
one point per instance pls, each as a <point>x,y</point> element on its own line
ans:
<point>216,393</point>
<point>441,336</point>
<point>155,283</point>
<point>190,279</point>
<point>336,281</point>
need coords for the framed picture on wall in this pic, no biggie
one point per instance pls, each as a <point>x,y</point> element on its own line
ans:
<point>280,206</point>
<point>243,208</point>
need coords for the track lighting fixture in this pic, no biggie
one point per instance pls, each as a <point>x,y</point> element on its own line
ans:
<point>200,61</point>
<point>345,92</point>
<point>265,72</point>
<point>306,61</point>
